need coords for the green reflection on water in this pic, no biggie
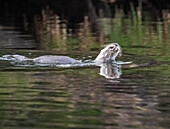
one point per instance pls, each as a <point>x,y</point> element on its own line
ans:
<point>79,97</point>
<point>41,99</point>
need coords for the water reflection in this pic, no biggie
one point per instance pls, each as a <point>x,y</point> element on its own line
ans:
<point>129,96</point>
<point>77,97</point>
<point>12,37</point>
<point>109,70</point>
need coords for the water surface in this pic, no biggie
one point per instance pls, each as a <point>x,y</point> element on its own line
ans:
<point>135,96</point>
<point>79,97</point>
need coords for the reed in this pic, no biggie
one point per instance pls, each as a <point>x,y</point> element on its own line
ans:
<point>53,33</point>
<point>128,30</point>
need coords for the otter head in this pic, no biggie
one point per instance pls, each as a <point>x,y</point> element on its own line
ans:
<point>109,53</point>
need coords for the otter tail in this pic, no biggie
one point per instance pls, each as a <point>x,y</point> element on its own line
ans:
<point>18,58</point>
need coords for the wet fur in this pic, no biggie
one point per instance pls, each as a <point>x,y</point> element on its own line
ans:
<point>108,54</point>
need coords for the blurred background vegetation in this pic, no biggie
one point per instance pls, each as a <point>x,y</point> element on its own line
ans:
<point>83,25</point>
<point>78,97</point>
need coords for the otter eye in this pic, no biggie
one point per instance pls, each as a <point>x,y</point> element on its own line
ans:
<point>111,47</point>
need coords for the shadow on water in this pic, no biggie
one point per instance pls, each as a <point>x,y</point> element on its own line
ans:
<point>134,95</point>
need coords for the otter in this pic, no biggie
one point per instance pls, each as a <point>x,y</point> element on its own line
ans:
<point>108,54</point>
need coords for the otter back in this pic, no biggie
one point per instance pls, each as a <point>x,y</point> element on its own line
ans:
<point>49,59</point>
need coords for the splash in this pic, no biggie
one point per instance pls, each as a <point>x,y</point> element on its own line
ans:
<point>26,62</point>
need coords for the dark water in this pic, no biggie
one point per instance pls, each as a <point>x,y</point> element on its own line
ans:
<point>78,97</point>
<point>47,97</point>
